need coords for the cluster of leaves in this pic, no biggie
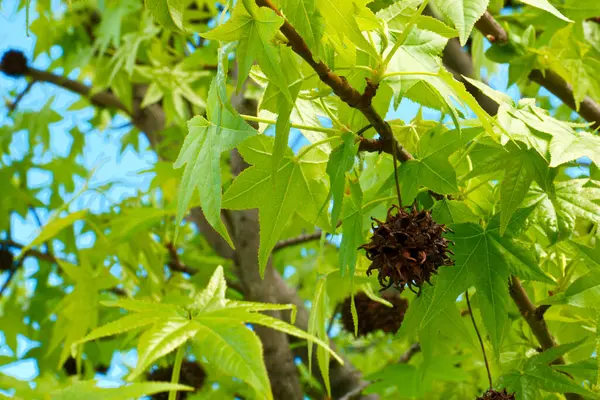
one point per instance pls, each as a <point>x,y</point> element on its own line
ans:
<point>504,184</point>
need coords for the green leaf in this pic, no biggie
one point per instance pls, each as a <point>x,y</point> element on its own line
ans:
<point>566,201</point>
<point>463,14</point>
<point>201,153</point>
<point>53,228</point>
<point>284,106</point>
<point>253,29</point>
<point>89,391</point>
<point>569,147</point>
<point>317,324</point>
<point>308,21</point>
<point>164,337</point>
<point>352,227</point>
<point>168,13</point>
<point>430,167</point>
<point>478,262</point>
<point>432,24</point>
<point>546,6</point>
<point>277,201</point>
<point>452,212</point>
<point>236,350</point>
<point>517,179</point>
<point>537,374</point>
<point>340,17</point>
<point>340,161</point>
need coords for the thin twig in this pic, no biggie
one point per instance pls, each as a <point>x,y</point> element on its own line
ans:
<point>307,237</point>
<point>13,106</point>
<point>408,354</point>
<point>487,365</point>
<point>396,177</point>
<point>363,129</point>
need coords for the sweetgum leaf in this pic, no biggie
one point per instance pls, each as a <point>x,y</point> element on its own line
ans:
<point>479,263</point>
<point>201,153</point>
<point>253,29</point>
<point>340,161</point>
<point>463,14</point>
<point>276,198</point>
<point>352,235</point>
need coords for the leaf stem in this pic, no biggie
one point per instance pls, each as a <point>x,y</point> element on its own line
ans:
<point>311,146</point>
<point>396,176</point>
<point>177,370</point>
<point>404,73</point>
<point>404,34</point>
<point>487,365</point>
<point>380,200</point>
<point>297,126</point>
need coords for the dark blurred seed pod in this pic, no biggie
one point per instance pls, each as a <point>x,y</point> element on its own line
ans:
<point>6,260</point>
<point>374,316</point>
<point>407,249</point>
<point>497,395</point>
<point>14,63</point>
<point>191,374</point>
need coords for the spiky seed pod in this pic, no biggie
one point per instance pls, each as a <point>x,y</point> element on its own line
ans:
<point>191,374</point>
<point>497,395</point>
<point>407,248</point>
<point>374,316</point>
<point>6,260</point>
<point>14,63</point>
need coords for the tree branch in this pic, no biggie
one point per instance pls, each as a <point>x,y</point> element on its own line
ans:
<point>535,319</point>
<point>588,108</point>
<point>12,106</point>
<point>103,99</point>
<point>307,237</point>
<point>342,88</point>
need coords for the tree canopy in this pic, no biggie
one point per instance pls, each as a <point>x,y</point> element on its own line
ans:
<point>347,199</point>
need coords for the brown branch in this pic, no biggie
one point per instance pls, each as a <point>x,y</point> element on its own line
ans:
<point>491,29</point>
<point>408,354</point>
<point>12,106</point>
<point>535,319</point>
<point>307,237</point>
<point>588,108</point>
<point>342,88</point>
<point>103,99</point>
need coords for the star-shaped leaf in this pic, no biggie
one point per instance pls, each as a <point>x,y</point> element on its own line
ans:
<point>276,198</point>
<point>254,29</point>
<point>201,153</point>
<point>536,373</point>
<point>479,263</point>
<point>430,167</point>
<point>215,323</point>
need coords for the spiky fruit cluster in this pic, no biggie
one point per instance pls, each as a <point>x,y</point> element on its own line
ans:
<point>14,63</point>
<point>497,395</point>
<point>6,260</point>
<point>191,374</point>
<point>374,316</point>
<point>407,248</point>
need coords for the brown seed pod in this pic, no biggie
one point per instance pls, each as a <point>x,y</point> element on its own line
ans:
<point>6,260</point>
<point>407,248</point>
<point>192,374</point>
<point>497,395</point>
<point>14,63</point>
<point>374,316</point>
